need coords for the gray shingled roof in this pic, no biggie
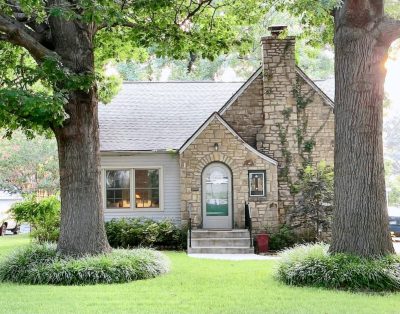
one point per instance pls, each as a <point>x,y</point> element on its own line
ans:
<point>159,115</point>
<point>163,115</point>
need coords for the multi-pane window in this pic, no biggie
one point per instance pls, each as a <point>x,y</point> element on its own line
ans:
<point>147,192</point>
<point>257,183</point>
<point>142,185</point>
<point>118,189</point>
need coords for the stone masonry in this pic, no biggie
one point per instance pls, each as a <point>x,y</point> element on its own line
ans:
<point>299,122</point>
<point>233,153</point>
<point>282,114</point>
<point>278,136</point>
<point>245,114</point>
<point>318,117</point>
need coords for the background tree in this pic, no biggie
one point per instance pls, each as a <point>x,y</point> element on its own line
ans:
<point>317,62</point>
<point>50,51</point>
<point>238,64</point>
<point>28,166</point>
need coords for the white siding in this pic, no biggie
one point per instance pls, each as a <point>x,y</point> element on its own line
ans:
<point>6,201</point>
<point>169,186</point>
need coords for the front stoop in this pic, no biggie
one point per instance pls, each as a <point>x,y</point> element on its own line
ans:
<point>235,241</point>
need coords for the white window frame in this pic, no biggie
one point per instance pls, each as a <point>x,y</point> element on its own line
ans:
<point>104,189</point>
<point>132,193</point>
<point>264,175</point>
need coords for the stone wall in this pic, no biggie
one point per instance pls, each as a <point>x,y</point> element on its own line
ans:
<point>317,120</point>
<point>315,138</point>
<point>240,159</point>
<point>245,114</point>
<point>278,136</point>
<point>299,122</point>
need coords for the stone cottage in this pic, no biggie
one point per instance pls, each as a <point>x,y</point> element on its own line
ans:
<point>202,150</point>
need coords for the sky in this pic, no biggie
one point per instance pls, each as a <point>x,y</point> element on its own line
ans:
<point>392,83</point>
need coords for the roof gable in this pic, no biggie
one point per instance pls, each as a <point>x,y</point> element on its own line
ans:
<point>312,84</point>
<point>240,91</point>
<point>216,116</point>
<point>300,72</point>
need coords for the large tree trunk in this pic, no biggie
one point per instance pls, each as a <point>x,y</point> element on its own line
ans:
<point>361,224</point>
<point>82,217</point>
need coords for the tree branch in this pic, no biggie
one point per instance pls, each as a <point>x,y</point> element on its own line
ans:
<point>17,34</point>
<point>360,13</point>
<point>123,24</point>
<point>39,31</point>
<point>200,6</point>
<point>389,29</point>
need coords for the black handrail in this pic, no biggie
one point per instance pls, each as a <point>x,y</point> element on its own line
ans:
<point>190,231</point>
<point>189,209</point>
<point>247,221</point>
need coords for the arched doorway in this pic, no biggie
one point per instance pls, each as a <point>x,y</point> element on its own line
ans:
<point>217,196</point>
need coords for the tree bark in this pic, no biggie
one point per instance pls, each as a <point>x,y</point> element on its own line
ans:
<point>82,216</point>
<point>360,224</point>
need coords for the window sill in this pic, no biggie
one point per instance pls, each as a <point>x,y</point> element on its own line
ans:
<point>132,210</point>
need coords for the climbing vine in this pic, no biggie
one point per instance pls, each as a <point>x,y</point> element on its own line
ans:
<point>286,154</point>
<point>305,146</point>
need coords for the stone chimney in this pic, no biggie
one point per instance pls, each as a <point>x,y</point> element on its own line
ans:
<point>278,138</point>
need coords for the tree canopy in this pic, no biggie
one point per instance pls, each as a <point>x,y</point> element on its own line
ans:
<point>35,80</point>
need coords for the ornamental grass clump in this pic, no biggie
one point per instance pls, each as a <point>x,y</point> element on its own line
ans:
<point>41,264</point>
<point>313,265</point>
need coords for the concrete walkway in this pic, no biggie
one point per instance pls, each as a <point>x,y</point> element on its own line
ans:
<point>235,257</point>
<point>255,257</point>
<point>396,246</point>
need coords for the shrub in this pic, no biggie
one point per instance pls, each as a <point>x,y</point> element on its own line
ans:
<point>312,265</point>
<point>134,232</point>
<point>282,239</point>
<point>41,264</point>
<point>313,210</point>
<point>43,216</point>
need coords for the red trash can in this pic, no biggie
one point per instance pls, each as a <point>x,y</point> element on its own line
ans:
<point>262,242</point>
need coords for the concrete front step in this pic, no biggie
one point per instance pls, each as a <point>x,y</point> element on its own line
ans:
<point>236,233</point>
<point>221,242</point>
<point>220,250</point>
<point>235,241</point>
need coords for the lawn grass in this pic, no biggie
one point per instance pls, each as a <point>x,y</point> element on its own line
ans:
<point>192,286</point>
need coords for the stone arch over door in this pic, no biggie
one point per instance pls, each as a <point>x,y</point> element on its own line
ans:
<point>216,157</point>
